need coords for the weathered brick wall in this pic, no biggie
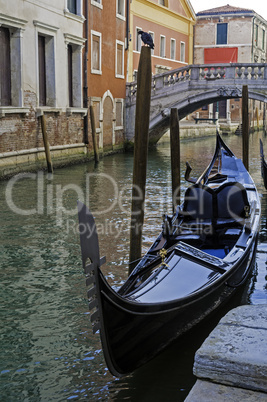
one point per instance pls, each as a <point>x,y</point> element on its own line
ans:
<point>19,132</point>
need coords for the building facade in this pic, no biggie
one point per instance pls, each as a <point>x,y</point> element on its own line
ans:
<point>106,26</point>
<point>170,23</point>
<point>41,74</point>
<point>230,35</point>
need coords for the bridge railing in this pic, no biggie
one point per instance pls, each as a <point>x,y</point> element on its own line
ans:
<point>201,72</point>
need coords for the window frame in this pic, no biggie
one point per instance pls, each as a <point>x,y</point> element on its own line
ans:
<point>138,40</point>
<point>93,70</point>
<point>173,41</point>
<point>117,75</point>
<point>16,27</point>
<point>182,52</point>
<point>162,49</point>
<point>5,68</point>
<point>256,35</point>
<point>75,80</point>
<point>49,32</point>
<point>70,5</point>
<point>118,15</point>
<point>153,36</point>
<point>165,3</point>
<point>222,37</point>
<point>119,101</point>
<point>97,3</point>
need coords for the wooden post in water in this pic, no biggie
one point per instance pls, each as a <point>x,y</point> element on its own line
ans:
<point>245,127</point>
<point>175,157</point>
<point>46,145</point>
<point>142,116</point>
<point>95,147</point>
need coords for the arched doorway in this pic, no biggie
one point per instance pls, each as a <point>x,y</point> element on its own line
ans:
<point>108,114</point>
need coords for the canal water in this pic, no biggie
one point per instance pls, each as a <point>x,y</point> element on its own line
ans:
<point>48,351</point>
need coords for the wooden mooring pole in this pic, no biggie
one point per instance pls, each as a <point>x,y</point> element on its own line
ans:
<point>143,96</point>
<point>46,145</point>
<point>95,147</point>
<point>245,127</point>
<point>175,157</point>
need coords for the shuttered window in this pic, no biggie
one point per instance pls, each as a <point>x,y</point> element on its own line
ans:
<point>5,68</point>
<point>96,53</point>
<point>119,61</point>
<point>42,70</point>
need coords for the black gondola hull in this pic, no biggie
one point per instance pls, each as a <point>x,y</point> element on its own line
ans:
<point>132,335</point>
<point>202,256</point>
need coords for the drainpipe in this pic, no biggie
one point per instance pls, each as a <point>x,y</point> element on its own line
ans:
<point>127,24</point>
<point>85,78</point>
<point>127,36</point>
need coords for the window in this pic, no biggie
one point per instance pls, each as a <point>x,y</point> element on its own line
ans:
<point>119,114</point>
<point>263,39</point>
<point>163,3</point>
<point>173,49</point>
<point>97,3</point>
<point>74,47</point>
<point>182,52</point>
<point>135,75</point>
<point>42,73</point>
<point>119,59</point>
<point>70,75</point>
<point>222,34</point>
<point>162,45</point>
<point>5,68</point>
<point>121,9</point>
<point>138,43</point>
<point>256,35</point>
<point>152,35</point>
<point>46,70</point>
<point>11,43</point>
<point>96,52</point>
<point>72,6</point>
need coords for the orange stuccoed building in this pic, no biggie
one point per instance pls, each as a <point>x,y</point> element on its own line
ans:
<point>105,78</point>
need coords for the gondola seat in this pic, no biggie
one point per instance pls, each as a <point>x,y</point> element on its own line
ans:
<point>207,208</point>
<point>232,205</point>
<point>198,206</point>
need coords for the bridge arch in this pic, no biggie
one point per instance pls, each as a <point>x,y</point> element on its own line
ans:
<point>192,87</point>
<point>161,123</point>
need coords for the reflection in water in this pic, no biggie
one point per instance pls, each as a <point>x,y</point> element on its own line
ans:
<point>48,351</point>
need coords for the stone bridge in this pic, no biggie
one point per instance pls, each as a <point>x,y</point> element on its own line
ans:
<point>192,87</point>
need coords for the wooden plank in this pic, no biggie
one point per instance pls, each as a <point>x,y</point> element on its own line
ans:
<point>46,145</point>
<point>92,118</point>
<point>175,157</point>
<point>245,127</point>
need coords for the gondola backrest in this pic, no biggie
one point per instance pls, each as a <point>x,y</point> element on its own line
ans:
<point>198,202</point>
<point>228,203</point>
<point>232,201</point>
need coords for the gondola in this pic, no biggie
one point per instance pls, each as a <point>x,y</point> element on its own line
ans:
<point>201,257</point>
<point>263,165</point>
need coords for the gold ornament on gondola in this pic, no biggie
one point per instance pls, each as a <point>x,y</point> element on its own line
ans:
<point>163,253</point>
